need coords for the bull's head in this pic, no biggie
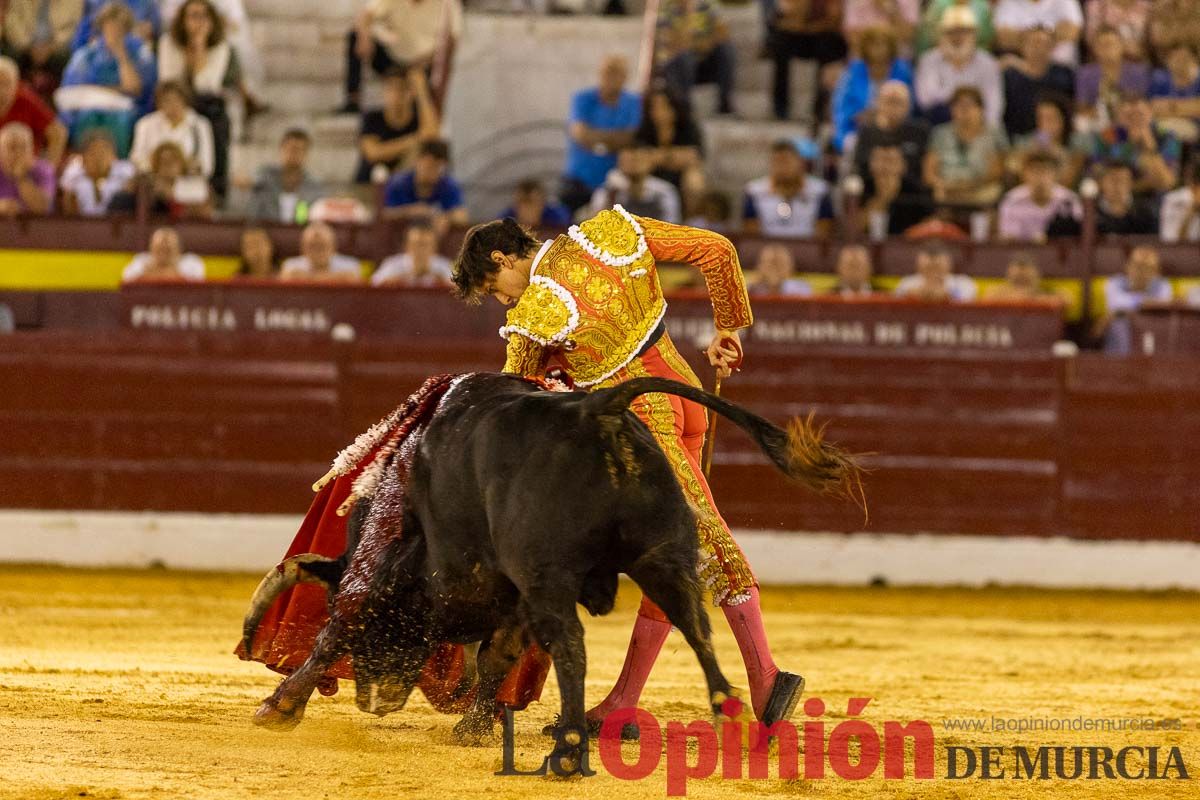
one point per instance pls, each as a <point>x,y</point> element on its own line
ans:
<point>390,647</point>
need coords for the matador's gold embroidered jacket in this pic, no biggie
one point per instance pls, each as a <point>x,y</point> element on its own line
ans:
<point>594,296</point>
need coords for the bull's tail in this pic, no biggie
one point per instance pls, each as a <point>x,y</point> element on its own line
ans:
<point>800,452</point>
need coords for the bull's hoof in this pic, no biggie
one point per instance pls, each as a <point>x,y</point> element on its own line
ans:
<point>274,718</point>
<point>566,760</point>
<point>382,699</point>
<point>629,731</point>
<point>473,731</point>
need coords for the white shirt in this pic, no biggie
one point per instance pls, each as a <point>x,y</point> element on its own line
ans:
<point>1023,15</point>
<point>172,66</point>
<point>300,265</point>
<point>959,288</point>
<point>659,199</point>
<point>400,268</point>
<point>410,30</point>
<point>788,217</point>
<point>193,134</point>
<point>93,199</point>
<point>1177,206</point>
<point>191,268</point>
<point>937,78</point>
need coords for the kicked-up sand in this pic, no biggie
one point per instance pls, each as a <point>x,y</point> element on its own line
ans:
<point>122,684</point>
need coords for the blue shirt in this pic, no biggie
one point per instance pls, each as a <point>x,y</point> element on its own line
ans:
<point>587,107</point>
<point>402,191</point>
<point>143,11</point>
<point>554,214</point>
<point>1161,86</point>
<point>856,92</point>
<point>95,65</point>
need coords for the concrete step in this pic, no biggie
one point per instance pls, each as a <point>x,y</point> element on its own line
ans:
<point>739,149</point>
<point>339,10</point>
<point>334,164</point>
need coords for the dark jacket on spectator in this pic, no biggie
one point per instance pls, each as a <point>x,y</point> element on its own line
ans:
<point>264,202</point>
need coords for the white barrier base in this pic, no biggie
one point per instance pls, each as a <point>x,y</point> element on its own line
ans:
<point>247,542</point>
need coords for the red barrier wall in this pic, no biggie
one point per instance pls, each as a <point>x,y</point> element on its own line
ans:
<point>1015,443</point>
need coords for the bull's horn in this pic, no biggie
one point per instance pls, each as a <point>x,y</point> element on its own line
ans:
<point>284,576</point>
<point>324,479</point>
<point>346,505</point>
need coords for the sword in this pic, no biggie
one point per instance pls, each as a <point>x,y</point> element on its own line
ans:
<point>711,438</point>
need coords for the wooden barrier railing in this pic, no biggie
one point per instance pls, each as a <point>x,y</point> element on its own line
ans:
<point>964,442</point>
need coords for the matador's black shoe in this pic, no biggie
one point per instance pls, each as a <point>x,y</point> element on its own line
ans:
<point>785,693</point>
<point>629,731</point>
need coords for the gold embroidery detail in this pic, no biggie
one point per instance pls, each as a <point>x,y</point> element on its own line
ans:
<point>540,314</point>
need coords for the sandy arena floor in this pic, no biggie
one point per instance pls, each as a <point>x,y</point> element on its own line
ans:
<point>120,684</point>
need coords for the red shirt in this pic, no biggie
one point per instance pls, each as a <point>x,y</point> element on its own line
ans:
<point>27,107</point>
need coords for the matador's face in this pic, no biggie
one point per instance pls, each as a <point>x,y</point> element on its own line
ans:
<point>507,283</point>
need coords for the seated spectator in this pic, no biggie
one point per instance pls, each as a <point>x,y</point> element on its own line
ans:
<point>146,20</point>
<point>319,259</point>
<point>1028,211</point>
<point>713,211</point>
<point>899,17</point>
<point>1118,211</point>
<point>38,35</point>
<point>964,165</point>
<point>1175,92</point>
<point>1022,283</point>
<point>853,272</point>
<point>774,274</point>
<point>388,33</point>
<point>930,26</point>
<point>427,190</point>
<point>284,192</point>
<point>888,124</point>
<point>1053,131</point>
<point>788,203</point>
<point>165,260</point>
<point>390,135</point>
<point>1128,17</point>
<point>808,30</point>
<point>245,48</point>
<point>1136,139</point>
<point>534,210</point>
<point>1173,22</point>
<point>1100,84</point>
<point>632,186</point>
<point>196,53</point>
<point>92,179</point>
<point>1030,78</point>
<point>109,82</point>
<point>419,265</point>
<point>168,189</point>
<point>891,203</point>
<point>879,63</point>
<point>1181,210</point>
<point>1125,294</point>
<point>8,323</point>
<point>1064,18</point>
<point>935,278</point>
<point>174,121</point>
<point>26,181</point>
<point>693,46</point>
<point>958,63</point>
<point>19,103</point>
<point>671,135</point>
<point>257,255</point>
<point>602,121</point>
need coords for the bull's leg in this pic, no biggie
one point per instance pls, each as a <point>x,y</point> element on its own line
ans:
<point>674,588</point>
<point>284,709</point>
<point>496,657</point>
<point>557,629</point>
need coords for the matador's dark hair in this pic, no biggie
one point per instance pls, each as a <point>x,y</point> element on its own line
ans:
<point>474,263</point>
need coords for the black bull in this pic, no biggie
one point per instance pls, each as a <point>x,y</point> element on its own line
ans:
<point>521,503</point>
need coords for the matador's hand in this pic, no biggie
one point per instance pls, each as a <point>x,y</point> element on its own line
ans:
<point>725,352</point>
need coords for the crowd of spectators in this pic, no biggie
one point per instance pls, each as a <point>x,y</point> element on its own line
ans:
<point>968,118</point>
